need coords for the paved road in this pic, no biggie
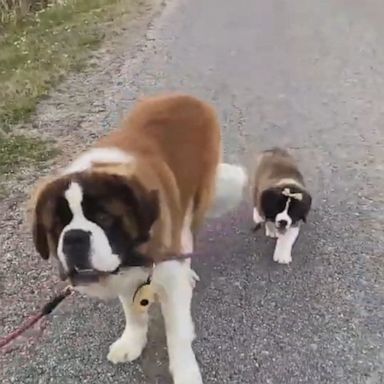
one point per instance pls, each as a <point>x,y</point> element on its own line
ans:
<point>303,74</point>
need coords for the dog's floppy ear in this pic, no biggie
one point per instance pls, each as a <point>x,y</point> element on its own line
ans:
<point>40,239</point>
<point>147,210</point>
<point>141,202</point>
<point>305,206</point>
<point>270,200</point>
<point>36,212</point>
<point>39,232</point>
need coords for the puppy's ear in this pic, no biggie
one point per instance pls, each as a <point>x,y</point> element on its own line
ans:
<point>270,201</point>
<point>305,206</point>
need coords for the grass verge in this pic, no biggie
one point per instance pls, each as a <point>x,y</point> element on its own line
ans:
<point>18,150</point>
<point>35,54</point>
<point>38,51</point>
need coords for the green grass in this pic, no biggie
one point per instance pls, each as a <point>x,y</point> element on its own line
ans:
<point>17,151</point>
<point>37,52</point>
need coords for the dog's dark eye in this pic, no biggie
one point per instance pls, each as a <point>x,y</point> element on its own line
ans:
<point>104,219</point>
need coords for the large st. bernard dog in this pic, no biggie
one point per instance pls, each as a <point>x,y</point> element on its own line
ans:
<point>119,215</point>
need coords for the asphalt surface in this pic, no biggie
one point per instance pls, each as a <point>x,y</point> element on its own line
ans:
<point>306,75</point>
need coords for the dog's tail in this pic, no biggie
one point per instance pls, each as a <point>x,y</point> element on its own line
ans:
<point>230,183</point>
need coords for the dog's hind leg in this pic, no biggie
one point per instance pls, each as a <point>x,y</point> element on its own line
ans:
<point>257,219</point>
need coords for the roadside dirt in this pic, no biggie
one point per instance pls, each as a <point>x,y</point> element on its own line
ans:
<point>74,115</point>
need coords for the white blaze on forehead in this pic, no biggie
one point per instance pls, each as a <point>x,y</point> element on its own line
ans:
<point>101,256</point>
<point>284,215</point>
<point>74,196</point>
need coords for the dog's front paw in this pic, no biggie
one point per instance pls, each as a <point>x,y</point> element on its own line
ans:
<point>270,231</point>
<point>282,256</point>
<point>187,376</point>
<point>126,349</point>
<point>184,368</point>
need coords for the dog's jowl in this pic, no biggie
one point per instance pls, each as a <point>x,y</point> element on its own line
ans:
<point>141,193</point>
<point>280,200</point>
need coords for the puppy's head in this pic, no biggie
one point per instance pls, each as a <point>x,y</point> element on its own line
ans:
<point>285,205</point>
<point>93,221</point>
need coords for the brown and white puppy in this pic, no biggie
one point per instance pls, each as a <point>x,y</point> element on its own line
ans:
<point>280,199</point>
<point>141,193</point>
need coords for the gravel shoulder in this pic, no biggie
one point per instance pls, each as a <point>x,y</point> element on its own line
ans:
<point>304,75</point>
<point>77,112</point>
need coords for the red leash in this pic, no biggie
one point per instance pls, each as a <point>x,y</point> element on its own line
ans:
<point>52,304</point>
<point>46,310</point>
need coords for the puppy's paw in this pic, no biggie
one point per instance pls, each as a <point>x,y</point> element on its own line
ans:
<point>193,278</point>
<point>270,231</point>
<point>126,349</point>
<point>282,256</point>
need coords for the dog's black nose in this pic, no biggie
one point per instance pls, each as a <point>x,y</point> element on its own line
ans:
<point>76,246</point>
<point>76,237</point>
<point>283,223</point>
<point>76,240</point>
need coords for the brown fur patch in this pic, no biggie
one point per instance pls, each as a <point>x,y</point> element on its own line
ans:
<point>176,143</point>
<point>45,234</point>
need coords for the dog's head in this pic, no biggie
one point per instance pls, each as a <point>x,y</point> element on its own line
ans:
<point>285,205</point>
<point>93,221</point>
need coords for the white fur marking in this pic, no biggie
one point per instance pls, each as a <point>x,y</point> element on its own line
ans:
<point>101,255</point>
<point>284,244</point>
<point>256,216</point>
<point>101,155</point>
<point>173,279</point>
<point>270,230</point>
<point>74,196</point>
<point>284,215</point>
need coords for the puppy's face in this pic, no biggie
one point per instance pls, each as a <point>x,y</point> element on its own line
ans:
<point>93,222</point>
<point>285,209</point>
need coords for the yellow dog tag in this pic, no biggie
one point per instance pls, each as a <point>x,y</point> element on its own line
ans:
<point>143,297</point>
